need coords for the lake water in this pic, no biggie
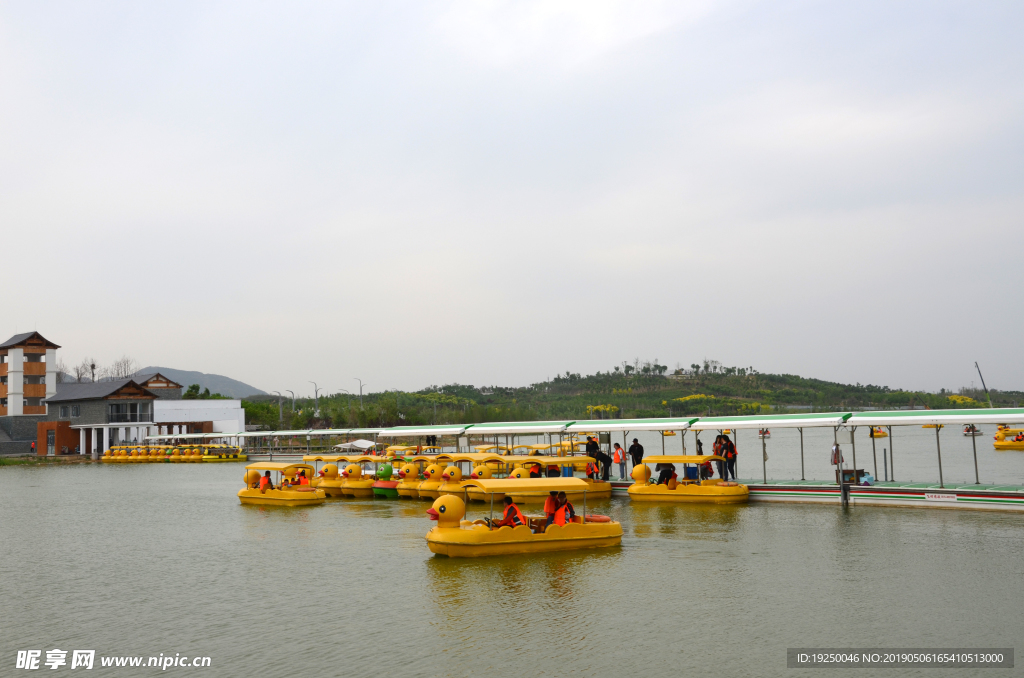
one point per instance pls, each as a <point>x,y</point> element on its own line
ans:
<point>161,558</point>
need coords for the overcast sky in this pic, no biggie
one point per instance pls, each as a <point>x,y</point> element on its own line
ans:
<point>495,192</point>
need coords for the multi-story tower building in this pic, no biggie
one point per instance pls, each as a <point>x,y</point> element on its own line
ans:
<point>28,374</point>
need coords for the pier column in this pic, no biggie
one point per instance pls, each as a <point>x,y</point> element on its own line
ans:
<point>974,446</point>
<point>802,474</point>
<point>938,448</point>
<point>892,458</point>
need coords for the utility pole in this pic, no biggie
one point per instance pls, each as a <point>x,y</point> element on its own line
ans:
<point>983,384</point>
<point>360,391</point>
<point>293,401</point>
<point>280,410</point>
<point>316,398</point>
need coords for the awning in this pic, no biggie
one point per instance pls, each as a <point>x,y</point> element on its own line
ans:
<point>1003,415</point>
<point>406,431</point>
<point>517,427</point>
<point>356,445</point>
<point>769,421</point>
<point>609,425</point>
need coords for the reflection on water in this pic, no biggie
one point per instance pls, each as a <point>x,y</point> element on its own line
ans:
<point>143,559</point>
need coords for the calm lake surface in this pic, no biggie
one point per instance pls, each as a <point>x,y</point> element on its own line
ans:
<point>161,558</point>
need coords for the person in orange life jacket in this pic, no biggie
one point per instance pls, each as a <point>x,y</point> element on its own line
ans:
<point>619,457</point>
<point>266,483</point>
<point>550,506</point>
<point>513,516</point>
<point>729,451</point>
<point>303,480</point>
<point>592,470</point>
<point>535,471</point>
<point>565,511</point>
<point>554,471</point>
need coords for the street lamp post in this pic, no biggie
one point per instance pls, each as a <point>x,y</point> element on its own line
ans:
<point>360,391</point>
<point>293,401</point>
<point>316,398</point>
<point>280,410</point>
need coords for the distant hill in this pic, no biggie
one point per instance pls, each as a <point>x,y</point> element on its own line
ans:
<point>215,382</point>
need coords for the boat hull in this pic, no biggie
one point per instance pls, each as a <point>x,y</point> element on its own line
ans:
<point>691,493</point>
<point>1008,444</point>
<point>358,488</point>
<point>281,497</point>
<point>331,487</point>
<point>479,540</point>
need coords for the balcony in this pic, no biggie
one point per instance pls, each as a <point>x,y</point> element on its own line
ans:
<point>37,409</point>
<point>129,418</point>
<point>35,390</point>
<point>35,369</point>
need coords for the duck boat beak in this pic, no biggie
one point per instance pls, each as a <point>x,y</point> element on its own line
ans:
<point>432,513</point>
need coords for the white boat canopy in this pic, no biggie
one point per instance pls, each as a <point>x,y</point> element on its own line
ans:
<point>356,445</point>
<point>517,427</point>
<point>1003,415</point>
<point>412,431</point>
<point>769,421</point>
<point>609,425</point>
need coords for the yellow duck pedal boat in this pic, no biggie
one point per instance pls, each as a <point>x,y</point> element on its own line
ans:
<point>409,481</point>
<point>1004,439</point>
<point>279,496</point>
<point>432,480</point>
<point>711,491</point>
<point>458,538</point>
<point>356,485</point>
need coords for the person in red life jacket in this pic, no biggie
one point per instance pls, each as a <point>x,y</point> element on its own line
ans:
<point>303,480</point>
<point>554,471</point>
<point>550,506</point>
<point>266,483</point>
<point>513,516</point>
<point>619,457</point>
<point>565,511</point>
<point>729,452</point>
<point>535,471</point>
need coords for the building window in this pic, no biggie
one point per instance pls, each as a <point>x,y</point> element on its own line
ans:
<point>3,402</point>
<point>75,410</point>
<point>63,411</point>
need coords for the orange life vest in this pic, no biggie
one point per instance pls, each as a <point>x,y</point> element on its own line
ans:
<point>550,505</point>
<point>303,480</point>
<point>562,514</point>
<point>265,483</point>
<point>517,516</point>
<point>619,456</point>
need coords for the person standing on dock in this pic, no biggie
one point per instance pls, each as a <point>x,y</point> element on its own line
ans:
<point>636,451</point>
<point>620,459</point>
<point>716,450</point>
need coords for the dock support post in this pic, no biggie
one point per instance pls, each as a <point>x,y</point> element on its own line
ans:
<point>892,459</point>
<point>764,460</point>
<point>802,474</point>
<point>874,454</point>
<point>663,443</point>
<point>974,446</point>
<point>736,459</point>
<point>938,448</point>
<point>853,446</point>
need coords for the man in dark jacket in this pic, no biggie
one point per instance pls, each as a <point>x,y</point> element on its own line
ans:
<point>594,450</point>
<point>636,452</point>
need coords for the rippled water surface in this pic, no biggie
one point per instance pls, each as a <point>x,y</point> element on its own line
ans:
<point>144,559</point>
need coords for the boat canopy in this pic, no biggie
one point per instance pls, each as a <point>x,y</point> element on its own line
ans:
<point>422,457</point>
<point>360,458</point>
<point>1003,415</point>
<point>356,445</point>
<point>471,456</point>
<point>831,419</point>
<point>406,431</point>
<point>609,425</point>
<point>485,448</point>
<point>528,485</point>
<point>281,466</point>
<point>524,460</point>
<point>681,458</point>
<point>331,458</point>
<point>517,427</point>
